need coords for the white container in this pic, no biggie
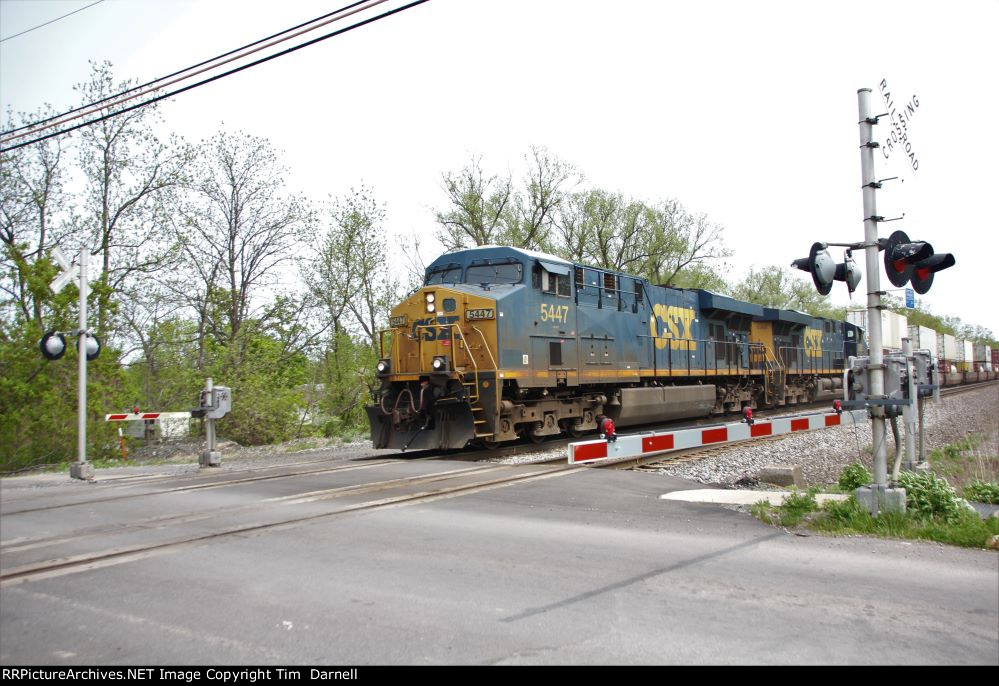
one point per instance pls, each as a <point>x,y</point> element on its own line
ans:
<point>894,327</point>
<point>965,351</point>
<point>923,338</point>
<point>946,346</point>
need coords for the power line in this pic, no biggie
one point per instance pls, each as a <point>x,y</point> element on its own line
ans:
<point>38,124</point>
<point>50,22</point>
<point>226,58</point>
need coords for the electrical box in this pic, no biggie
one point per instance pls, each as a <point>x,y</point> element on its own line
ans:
<point>215,403</point>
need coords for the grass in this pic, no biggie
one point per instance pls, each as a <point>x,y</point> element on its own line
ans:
<point>844,518</point>
<point>934,512</point>
<point>968,464</point>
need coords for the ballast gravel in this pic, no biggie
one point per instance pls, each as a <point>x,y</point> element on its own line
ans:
<point>823,454</point>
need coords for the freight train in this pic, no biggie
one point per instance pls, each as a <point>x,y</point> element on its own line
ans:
<point>502,343</point>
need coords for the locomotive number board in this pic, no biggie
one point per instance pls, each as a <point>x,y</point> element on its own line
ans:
<point>481,313</point>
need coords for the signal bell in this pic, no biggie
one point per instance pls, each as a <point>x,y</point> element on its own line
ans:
<point>915,260</point>
<point>824,271</point>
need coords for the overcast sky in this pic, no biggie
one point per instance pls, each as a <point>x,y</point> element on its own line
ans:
<point>744,111</point>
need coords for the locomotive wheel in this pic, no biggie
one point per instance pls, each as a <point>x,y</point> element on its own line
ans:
<point>535,439</point>
<point>576,433</point>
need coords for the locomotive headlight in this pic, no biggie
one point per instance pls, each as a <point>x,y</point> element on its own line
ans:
<point>383,367</point>
<point>439,364</point>
<point>430,307</point>
<point>430,302</point>
<point>431,297</point>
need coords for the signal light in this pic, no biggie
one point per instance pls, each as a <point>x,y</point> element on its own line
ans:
<point>913,260</point>
<point>824,270</point>
<point>53,345</point>
<point>747,415</point>
<point>607,429</point>
<point>93,347</point>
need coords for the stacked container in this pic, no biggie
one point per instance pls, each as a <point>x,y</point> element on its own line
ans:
<point>924,338</point>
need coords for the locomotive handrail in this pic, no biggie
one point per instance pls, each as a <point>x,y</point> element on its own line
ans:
<point>732,365</point>
<point>802,362</point>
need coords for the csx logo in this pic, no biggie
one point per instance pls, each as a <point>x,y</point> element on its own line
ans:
<point>813,342</point>
<point>676,327</point>
<point>432,333</point>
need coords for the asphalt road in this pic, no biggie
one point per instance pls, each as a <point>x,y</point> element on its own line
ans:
<point>585,568</point>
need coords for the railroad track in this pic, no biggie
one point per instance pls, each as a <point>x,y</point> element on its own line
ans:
<point>269,514</point>
<point>299,508</point>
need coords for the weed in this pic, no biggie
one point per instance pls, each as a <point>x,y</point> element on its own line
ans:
<point>854,476</point>
<point>982,492</point>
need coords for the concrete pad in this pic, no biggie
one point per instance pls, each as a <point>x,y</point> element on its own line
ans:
<point>724,497</point>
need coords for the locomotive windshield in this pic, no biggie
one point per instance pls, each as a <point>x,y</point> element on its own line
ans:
<point>498,272</point>
<point>450,273</point>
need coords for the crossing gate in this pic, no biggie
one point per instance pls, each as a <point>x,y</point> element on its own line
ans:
<point>171,424</point>
<point>632,446</point>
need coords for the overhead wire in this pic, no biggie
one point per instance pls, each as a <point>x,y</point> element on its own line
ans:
<point>208,80</point>
<point>181,71</point>
<point>230,57</point>
<point>52,21</point>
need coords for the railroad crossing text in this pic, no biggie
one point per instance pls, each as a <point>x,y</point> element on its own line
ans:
<point>899,141</point>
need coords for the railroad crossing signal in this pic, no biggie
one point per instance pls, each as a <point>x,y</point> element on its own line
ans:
<point>907,260</point>
<point>69,272</point>
<point>824,270</point>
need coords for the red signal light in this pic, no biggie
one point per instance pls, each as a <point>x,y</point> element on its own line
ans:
<point>747,414</point>
<point>607,429</point>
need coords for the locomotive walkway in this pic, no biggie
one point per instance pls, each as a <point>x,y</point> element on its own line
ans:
<point>412,562</point>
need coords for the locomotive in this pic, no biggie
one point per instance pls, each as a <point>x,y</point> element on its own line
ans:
<point>502,342</point>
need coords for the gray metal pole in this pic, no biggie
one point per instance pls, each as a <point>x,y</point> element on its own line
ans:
<point>82,469</point>
<point>873,285</point>
<point>909,411</point>
<point>878,496</point>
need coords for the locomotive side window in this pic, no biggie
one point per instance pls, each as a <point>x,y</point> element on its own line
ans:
<point>556,284</point>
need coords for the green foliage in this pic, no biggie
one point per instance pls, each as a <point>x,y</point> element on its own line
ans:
<point>38,401</point>
<point>853,476</point>
<point>965,528</point>
<point>929,496</point>
<point>797,505</point>
<point>783,288</point>
<point>982,492</point>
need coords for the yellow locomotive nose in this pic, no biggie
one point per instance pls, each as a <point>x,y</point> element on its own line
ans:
<point>439,330</point>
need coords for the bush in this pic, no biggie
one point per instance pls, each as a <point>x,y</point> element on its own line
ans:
<point>928,496</point>
<point>982,492</point>
<point>853,476</point>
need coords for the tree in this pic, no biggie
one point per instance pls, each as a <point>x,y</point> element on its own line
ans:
<point>535,209</point>
<point>238,228</point>
<point>486,210</point>
<point>780,288</point>
<point>678,240</point>
<point>127,173</point>
<point>479,207</point>
<point>33,210</point>
<point>350,280</point>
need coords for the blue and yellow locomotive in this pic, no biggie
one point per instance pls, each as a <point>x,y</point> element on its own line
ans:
<point>502,342</point>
